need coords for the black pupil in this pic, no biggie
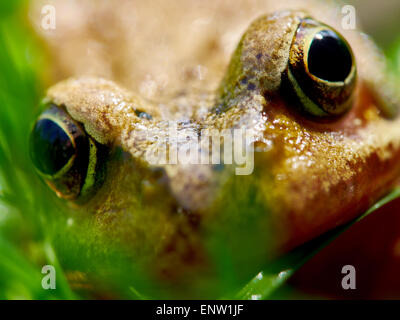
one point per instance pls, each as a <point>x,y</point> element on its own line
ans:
<point>329,57</point>
<point>51,147</point>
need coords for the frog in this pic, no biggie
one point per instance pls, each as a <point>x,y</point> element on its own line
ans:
<point>321,124</point>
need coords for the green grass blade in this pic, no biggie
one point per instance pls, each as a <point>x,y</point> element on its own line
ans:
<point>265,283</point>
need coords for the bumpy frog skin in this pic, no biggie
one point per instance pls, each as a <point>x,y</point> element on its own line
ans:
<point>309,176</point>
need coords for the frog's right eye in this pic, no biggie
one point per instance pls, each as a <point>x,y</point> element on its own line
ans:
<point>321,69</point>
<point>64,155</point>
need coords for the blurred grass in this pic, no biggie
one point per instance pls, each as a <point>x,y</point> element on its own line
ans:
<point>24,217</point>
<point>265,284</point>
<point>33,229</point>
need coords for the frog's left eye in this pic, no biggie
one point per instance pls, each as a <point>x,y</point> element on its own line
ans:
<point>64,154</point>
<point>321,69</point>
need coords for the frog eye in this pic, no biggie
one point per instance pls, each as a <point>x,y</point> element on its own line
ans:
<point>64,155</point>
<point>321,69</point>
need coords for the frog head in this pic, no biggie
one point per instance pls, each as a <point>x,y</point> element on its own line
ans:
<point>310,107</point>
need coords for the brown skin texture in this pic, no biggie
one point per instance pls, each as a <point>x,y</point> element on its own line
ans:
<point>310,175</point>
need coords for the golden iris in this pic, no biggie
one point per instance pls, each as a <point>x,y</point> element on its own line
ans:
<point>321,69</point>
